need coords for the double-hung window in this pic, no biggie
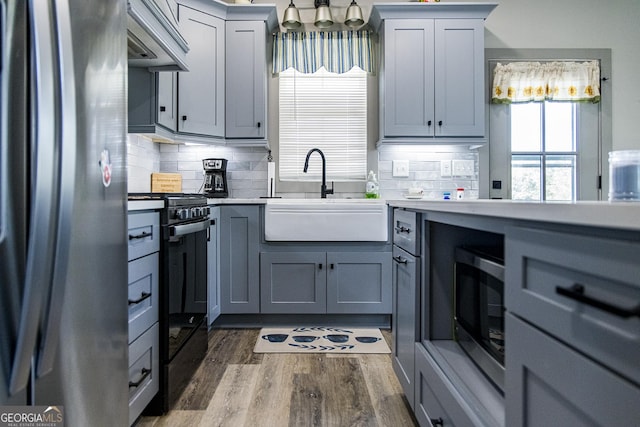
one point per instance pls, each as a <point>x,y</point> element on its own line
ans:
<point>323,103</point>
<point>327,111</point>
<point>547,129</point>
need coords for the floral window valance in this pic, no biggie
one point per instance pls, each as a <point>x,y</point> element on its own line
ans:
<point>336,51</point>
<point>549,81</point>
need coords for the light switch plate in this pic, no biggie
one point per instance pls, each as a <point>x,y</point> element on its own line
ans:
<point>400,168</point>
<point>445,168</point>
<point>463,168</point>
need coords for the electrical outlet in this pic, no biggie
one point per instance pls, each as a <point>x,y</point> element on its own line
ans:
<point>463,168</point>
<point>401,168</point>
<point>445,168</point>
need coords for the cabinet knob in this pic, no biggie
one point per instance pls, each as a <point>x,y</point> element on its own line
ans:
<point>163,108</point>
<point>259,124</point>
<point>440,123</point>
<point>320,266</point>
<point>429,123</point>
<point>436,422</point>
<point>184,118</point>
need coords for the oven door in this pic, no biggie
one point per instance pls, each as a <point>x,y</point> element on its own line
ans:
<point>185,282</point>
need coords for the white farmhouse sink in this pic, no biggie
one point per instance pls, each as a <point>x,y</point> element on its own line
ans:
<point>326,220</point>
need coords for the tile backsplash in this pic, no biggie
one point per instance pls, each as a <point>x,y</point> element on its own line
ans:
<point>247,169</point>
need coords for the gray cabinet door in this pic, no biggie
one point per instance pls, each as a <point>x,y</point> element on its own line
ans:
<point>550,384</point>
<point>293,282</point>
<point>246,79</point>
<point>167,100</point>
<point>213,255</point>
<point>408,78</point>
<point>359,282</point>
<point>239,261</point>
<point>405,318</point>
<point>201,89</point>
<point>459,77</point>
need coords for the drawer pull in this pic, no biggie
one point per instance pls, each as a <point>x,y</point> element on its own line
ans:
<point>140,236</point>
<point>399,259</point>
<point>576,292</point>
<point>145,373</point>
<point>436,422</point>
<point>143,296</point>
<point>402,229</point>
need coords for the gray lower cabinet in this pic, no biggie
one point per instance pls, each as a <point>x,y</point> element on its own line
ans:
<point>239,268</point>
<point>551,384</point>
<point>405,320</point>
<point>435,404</point>
<point>359,282</point>
<point>213,261</point>
<point>143,305</point>
<point>325,282</point>
<point>293,282</point>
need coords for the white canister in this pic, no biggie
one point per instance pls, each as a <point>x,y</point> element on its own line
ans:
<point>624,175</point>
<point>459,193</point>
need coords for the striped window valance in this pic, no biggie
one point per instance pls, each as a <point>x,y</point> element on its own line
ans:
<point>336,51</point>
<point>548,81</point>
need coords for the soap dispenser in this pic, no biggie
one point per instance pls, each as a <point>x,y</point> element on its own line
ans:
<point>373,188</point>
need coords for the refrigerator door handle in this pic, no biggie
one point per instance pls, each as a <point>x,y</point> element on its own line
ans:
<point>66,131</point>
<point>42,231</point>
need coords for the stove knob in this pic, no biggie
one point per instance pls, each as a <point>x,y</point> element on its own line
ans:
<point>183,214</point>
<point>195,212</point>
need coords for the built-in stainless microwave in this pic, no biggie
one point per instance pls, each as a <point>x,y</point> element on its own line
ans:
<point>479,308</point>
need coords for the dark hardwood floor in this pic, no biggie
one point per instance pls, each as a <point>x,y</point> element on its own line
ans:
<point>236,387</point>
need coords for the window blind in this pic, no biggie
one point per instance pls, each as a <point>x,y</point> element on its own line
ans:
<point>326,111</point>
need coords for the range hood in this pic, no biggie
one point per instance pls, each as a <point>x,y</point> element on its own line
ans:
<point>153,38</point>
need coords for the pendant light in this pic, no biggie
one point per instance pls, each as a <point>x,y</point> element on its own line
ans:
<point>354,15</point>
<point>291,18</point>
<point>323,14</point>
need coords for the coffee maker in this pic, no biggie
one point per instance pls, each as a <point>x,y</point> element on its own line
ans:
<point>215,178</point>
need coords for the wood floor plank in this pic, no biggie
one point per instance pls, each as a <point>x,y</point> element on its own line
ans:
<point>230,403</point>
<point>391,407</point>
<point>231,346</point>
<point>235,387</point>
<point>333,394</point>
<point>173,419</point>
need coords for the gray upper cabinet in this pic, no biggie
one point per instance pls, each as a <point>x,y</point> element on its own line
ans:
<point>167,106</point>
<point>246,103</point>
<point>432,71</point>
<point>201,90</point>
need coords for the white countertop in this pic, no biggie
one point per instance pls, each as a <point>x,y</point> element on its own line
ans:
<point>619,215</point>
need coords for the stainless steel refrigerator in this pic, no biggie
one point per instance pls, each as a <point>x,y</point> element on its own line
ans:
<point>63,253</point>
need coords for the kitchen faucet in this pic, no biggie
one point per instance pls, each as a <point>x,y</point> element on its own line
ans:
<point>323,187</point>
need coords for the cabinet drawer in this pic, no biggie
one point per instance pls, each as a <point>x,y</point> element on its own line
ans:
<point>144,371</point>
<point>571,287</point>
<point>406,230</point>
<point>144,234</point>
<point>434,401</point>
<point>143,294</point>
<point>550,384</point>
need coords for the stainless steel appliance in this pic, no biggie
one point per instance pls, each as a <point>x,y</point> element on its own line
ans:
<point>185,223</point>
<point>479,308</point>
<point>63,249</point>
<point>215,177</point>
